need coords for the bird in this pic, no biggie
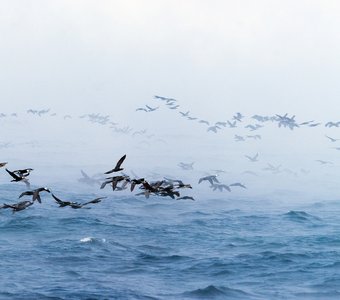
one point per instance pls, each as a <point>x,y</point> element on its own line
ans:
<point>114,181</point>
<point>76,205</point>
<point>3,164</point>
<point>253,158</point>
<point>117,167</point>
<point>18,206</point>
<point>184,114</point>
<point>220,187</point>
<point>210,178</point>
<point>35,193</point>
<point>238,184</point>
<point>186,166</point>
<point>331,139</point>
<point>186,198</point>
<point>23,172</point>
<point>17,178</point>
<point>324,162</point>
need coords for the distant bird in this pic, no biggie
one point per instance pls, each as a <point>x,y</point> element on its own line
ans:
<point>141,109</point>
<point>253,127</point>
<point>117,167</point>
<point>324,162</point>
<point>204,122</point>
<point>331,139</point>
<point>87,179</point>
<point>211,179</point>
<point>147,109</point>
<point>239,138</point>
<point>213,128</point>
<point>232,124</point>
<point>3,164</point>
<point>253,158</point>
<point>274,169</point>
<point>332,124</point>
<point>220,187</point>
<point>314,125</point>
<point>186,198</point>
<point>184,114</point>
<point>306,123</point>
<point>238,184</point>
<point>255,137</point>
<point>238,117</point>
<point>35,193</point>
<point>151,108</point>
<point>186,166</point>
<point>224,124</point>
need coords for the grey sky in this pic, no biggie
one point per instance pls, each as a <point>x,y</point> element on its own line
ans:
<point>216,57</point>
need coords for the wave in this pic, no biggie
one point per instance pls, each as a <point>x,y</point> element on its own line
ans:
<point>300,216</point>
<point>213,292</point>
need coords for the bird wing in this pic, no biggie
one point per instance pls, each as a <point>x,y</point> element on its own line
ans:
<point>57,199</point>
<point>13,175</point>
<point>120,161</point>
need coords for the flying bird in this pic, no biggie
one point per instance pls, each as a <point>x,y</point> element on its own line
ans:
<point>117,167</point>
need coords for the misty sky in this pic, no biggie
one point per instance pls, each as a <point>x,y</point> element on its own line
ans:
<point>216,57</point>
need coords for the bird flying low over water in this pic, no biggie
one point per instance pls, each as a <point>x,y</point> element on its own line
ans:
<point>76,205</point>
<point>117,167</point>
<point>211,178</point>
<point>220,187</point>
<point>35,193</point>
<point>17,177</point>
<point>186,198</point>
<point>238,184</point>
<point>17,206</point>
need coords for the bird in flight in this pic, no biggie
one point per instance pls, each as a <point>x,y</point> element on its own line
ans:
<point>117,167</point>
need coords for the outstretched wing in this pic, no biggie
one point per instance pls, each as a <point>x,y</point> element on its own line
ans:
<point>120,161</point>
<point>16,177</point>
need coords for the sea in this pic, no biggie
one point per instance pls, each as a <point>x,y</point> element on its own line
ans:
<point>130,247</point>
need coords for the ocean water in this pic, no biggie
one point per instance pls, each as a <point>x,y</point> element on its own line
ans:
<point>129,247</point>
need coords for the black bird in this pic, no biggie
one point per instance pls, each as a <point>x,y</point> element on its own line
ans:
<point>35,193</point>
<point>18,206</point>
<point>117,167</point>
<point>23,172</point>
<point>76,205</point>
<point>114,181</point>
<point>186,198</point>
<point>17,178</point>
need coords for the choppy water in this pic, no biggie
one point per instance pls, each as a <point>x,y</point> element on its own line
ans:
<point>135,248</point>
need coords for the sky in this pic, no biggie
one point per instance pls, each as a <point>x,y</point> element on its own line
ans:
<point>215,57</point>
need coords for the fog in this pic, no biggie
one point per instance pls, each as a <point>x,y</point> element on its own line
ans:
<point>216,58</point>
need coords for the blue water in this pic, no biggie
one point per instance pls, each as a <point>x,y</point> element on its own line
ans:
<point>135,248</point>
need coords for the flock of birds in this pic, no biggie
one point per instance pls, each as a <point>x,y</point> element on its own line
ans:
<point>163,188</point>
<point>169,187</point>
<point>237,120</point>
